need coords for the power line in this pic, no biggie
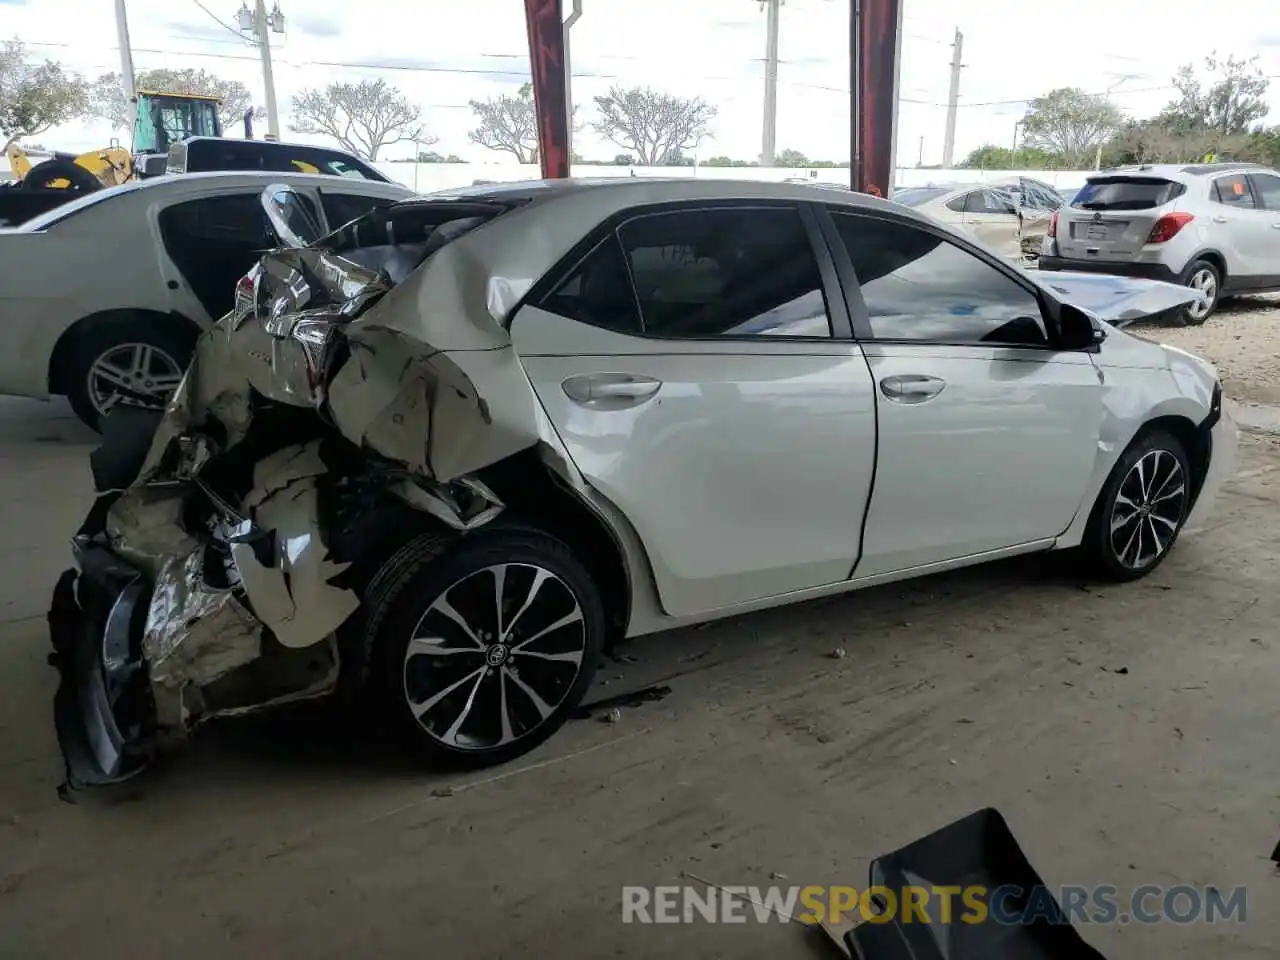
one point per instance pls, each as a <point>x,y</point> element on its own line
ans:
<point>214,17</point>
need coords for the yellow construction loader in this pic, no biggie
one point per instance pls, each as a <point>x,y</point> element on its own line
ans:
<point>160,120</point>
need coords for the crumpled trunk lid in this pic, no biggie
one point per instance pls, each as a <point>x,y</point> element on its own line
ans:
<point>1118,300</point>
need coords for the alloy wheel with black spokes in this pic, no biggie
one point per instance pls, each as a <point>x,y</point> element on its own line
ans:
<point>1148,509</point>
<point>1141,508</point>
<point>490,646</point>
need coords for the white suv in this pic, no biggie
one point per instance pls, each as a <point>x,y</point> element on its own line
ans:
<point>1212,226</point>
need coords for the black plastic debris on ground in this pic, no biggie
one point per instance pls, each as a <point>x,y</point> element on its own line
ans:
<point>636,698</point>
<point>978,850</point>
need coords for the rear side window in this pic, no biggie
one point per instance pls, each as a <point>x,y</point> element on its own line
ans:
<point>1234,191</point>
<point>1267,186</point>
<point>725,273</point>
<point>701,274</point>
<point>1127,193</point>
<point>342,208</point>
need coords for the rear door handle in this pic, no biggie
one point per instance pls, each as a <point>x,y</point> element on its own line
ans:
<point>1219,219</point>
<point>610,391</point>
<point>911,388</point>
<point>1276,226</point>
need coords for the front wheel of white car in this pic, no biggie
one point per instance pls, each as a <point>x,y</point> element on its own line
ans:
<point>484,649</point>
<point>1140,510</point>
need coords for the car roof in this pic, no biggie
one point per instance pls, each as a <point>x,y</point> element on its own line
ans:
<point>619,193</point>
<point>199,183</point>
<point>1182,172</point>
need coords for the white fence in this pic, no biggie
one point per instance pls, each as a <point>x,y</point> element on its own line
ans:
<point>426,177</point>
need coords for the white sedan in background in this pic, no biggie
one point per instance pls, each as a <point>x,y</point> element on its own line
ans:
<point>456,450</point>
<point>102,298</point>
<point>1009,216</point>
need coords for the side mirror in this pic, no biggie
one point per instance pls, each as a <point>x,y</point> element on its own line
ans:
<point>1077,330</point>
<point>291,216</point>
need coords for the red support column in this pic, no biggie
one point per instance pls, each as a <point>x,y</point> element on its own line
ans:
<point>874,52</point>
<point>544,21</point>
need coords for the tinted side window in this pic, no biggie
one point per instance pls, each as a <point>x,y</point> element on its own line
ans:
<point>1233,191</point>
<point>229,219</point>
<point>958,203</point>
<point>342,208</point>
<point>725,273</point>
<point>598,292</point>
<point>918,286</point>
<point>1268,189</point>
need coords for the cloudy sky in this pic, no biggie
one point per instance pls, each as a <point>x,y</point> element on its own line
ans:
<point>442,54</point>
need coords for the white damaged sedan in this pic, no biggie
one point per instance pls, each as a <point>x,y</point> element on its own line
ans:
<point>444,458</point>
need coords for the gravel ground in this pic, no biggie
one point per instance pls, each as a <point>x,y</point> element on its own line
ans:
<point>1243,340</point>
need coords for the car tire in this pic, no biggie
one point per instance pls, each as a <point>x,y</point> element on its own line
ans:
<point>495,691</point>
<point>1140,509</point>
<point>79,179</point>
<point>1204,276</point>
<point>152,354</point>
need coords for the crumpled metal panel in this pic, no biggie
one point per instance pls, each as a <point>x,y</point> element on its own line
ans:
<point>1118,300</point>
<point>194,634</point>
<point>144,527</point>
<point>294,597</point>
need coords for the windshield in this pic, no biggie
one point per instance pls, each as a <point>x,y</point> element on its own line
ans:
<point>915,196</point>
<point>1127,193</point>
<point>162,121</point>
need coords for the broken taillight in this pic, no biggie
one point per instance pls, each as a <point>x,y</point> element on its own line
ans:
<point>1167,227</point>
<point>1053,224</point>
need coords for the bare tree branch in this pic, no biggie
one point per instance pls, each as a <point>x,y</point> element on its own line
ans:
<point>363,117</point>
<point>654,126</point>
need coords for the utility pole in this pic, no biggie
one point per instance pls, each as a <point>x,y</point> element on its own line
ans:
<point>262,26</point>
<point>1097,157</point>
<point>1013,151</point>
<point>768,140</point>
<point>126,53</point>
<point>574,15</point>
<point>920,155</point>
<point>953,101</point>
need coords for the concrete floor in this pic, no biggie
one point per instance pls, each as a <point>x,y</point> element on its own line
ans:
<point>1000,686</point>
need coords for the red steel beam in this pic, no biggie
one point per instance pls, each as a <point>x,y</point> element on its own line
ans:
<point>874,53</point>
<point>875,46</point>
<point>544,21</point>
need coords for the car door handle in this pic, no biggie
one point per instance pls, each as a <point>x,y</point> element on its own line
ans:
<point>1219,219</point>
<point>1275,226</point>
<point>610,391</point>
<point>911,388</point>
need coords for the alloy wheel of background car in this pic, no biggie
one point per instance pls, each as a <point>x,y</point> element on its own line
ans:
<point>494,656</point>
<point>1140,509</point>
<point>488,646</point>
<point>1148,509</point>
<point>1203,277</point>
<point>137,373</point>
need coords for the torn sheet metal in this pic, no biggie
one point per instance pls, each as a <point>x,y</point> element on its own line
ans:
<point>194,634</point>
<point>1118,300</point>
<point>144,527</point>
<point>293,595</point>
<point>463,504</point>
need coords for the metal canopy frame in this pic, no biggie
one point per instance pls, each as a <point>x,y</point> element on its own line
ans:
<point>875,46</point>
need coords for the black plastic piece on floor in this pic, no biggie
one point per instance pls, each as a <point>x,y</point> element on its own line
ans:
<point>978,850</point>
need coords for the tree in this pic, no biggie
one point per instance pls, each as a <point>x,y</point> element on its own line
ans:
<point>363,117</point>
<point>35,99</point>
<point>107,99</point>
<point>652,125</point>
<point>791,158</point>
<point>623,160</point>
<point>508,124</point>
<point>1229,106</point>
<point>1070,123</point>
<point>991,157</point>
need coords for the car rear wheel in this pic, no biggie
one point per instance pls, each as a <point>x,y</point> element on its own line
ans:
<point>134,362</point>
<point>483,650</point>
<point>1140,510</point>
<point>1202,276</point>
